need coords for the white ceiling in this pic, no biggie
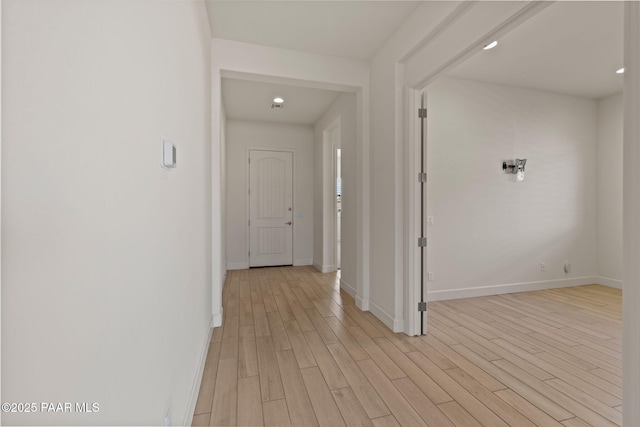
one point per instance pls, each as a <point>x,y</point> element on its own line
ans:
<point>251,100</point>
<point>351,29</point>
<point>570,47</point>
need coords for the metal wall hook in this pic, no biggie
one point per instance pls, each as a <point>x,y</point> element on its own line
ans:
<point>505,166</point>
<point>518,165</point>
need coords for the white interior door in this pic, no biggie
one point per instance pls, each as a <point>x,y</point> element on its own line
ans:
<point>270,208</point>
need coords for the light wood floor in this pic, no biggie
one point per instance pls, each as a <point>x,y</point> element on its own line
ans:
<point>294,350</point>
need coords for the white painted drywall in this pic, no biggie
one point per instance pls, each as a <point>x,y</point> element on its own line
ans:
<point>325,136</point>
<point>1,317</point>
<point>243,135</point>
<point>387,121</point>
<point>631,213</point>
<point>609,170</point>
<point>489,230</point>
<point>223,194</point>
<point>106,279</point>
<point>344,110</point>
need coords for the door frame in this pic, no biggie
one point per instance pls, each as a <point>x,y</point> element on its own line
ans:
<point>328,218</point>
<point>248,199</point>
<point>237,60</point>
<point>409,87</point>
<point>412,102</point>
<point>334,151</point>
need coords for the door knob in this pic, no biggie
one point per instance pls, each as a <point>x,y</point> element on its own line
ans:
<point>288,223</point>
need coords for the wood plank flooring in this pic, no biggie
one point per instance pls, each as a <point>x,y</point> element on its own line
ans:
<point>294,350</point>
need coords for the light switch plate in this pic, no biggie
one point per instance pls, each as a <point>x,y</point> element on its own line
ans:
<point>168,154</point>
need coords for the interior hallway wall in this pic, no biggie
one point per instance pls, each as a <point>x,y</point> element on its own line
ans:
<point>343,108</point>
<point>106,277</point>
<point>223,194</point>
<point>609,170</point>
<point>242,135</point>
<point>491,234</point>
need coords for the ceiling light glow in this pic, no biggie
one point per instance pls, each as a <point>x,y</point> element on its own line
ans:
<point>278,100</point>
<point>490,45</point>
<point>620,71</point>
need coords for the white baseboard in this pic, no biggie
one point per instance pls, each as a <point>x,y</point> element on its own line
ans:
<point>509,288</point>
<point>195,390</point>
<point>396,325</point>
<point>608,281</point>
<point>216,319</point>
<point>303,261</point>
<point>362,304</point>
<point>237,265</point>
<point>348,288</point>
<point>324,268</point>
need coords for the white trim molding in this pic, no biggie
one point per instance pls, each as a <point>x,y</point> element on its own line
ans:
<point>396,325</point>
<point>324,268</point>
<point>350,290</point>
<point>362,304</point>
<point>303,261</point>
<point>195,389</point>
<point>216,319</point>
<point>608,281</point>
<point>237,265</point>
<point>509,288</point>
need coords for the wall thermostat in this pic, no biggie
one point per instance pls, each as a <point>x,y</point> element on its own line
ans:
<point>168,154</point>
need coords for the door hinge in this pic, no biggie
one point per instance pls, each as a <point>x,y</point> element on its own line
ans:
<point>422,306</point>
<point>249,159</point>
<point>249,222</point>
<point>249,253</point>
<point>422,242</point>
<point>422,177</point>
<point>422,113</point>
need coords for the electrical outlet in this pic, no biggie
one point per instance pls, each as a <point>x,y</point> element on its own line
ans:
<point>543,267</point>
<point>430,276</point>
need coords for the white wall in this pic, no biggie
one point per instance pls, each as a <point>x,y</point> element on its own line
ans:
<point>223,196</point>
<point>491,233</point>
<point>609,167</point>
<point>386,161</point>
<point>631,207</point>
<point>242,135</point>
<point>106,279</point>
<point>344,109</point>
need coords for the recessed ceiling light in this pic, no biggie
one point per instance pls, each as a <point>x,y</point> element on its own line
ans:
<point>278,100</point>
<point>490,45</point>
<point>620,71</point>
